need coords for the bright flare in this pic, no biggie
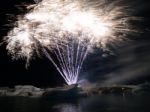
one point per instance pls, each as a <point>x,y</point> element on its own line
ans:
<point>68,29</point>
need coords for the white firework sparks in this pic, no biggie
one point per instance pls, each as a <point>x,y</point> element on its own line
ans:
<point>68,29</point>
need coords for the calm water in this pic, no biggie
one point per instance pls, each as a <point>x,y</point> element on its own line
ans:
<point>105,103</point>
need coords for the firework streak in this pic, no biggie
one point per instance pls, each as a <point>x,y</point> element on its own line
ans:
<point>68,29</point>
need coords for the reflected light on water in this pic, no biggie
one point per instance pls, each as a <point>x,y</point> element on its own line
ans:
<point>68,108</point>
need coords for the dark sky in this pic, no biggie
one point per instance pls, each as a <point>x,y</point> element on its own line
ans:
<point>130,62</point>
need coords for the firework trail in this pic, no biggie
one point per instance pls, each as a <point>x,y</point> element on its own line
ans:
<point>68,29</point>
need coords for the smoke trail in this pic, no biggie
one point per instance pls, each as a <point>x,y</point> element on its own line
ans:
<point>69,29</point>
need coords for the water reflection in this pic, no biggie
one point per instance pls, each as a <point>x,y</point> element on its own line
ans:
<point>105,103</point>
<point>68,108</point>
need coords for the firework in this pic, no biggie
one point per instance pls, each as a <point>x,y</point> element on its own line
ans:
<point>68,29</point>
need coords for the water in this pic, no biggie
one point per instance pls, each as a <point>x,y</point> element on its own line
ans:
<point>104,103</point>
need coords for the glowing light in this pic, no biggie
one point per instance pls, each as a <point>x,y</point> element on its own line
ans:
<point>69,29</point>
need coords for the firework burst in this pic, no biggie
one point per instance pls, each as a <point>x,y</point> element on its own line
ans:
<point>69,29</point>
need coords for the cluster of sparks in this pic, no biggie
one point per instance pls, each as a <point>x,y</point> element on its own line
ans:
<point>65,31</point>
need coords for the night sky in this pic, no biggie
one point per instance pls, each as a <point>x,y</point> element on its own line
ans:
<point>128,64</point>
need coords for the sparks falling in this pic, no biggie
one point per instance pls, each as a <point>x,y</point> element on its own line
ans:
<point>68,29</point>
